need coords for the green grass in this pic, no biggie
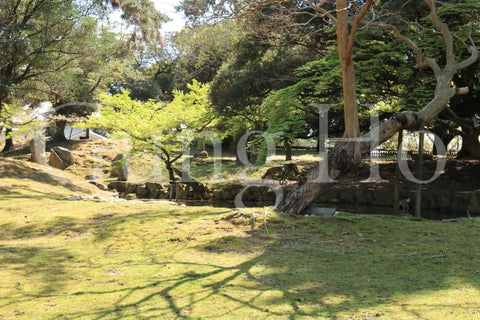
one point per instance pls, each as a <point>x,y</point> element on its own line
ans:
<point>133,260</point>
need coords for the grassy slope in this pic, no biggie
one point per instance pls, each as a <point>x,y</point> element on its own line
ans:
<point>91,260</point>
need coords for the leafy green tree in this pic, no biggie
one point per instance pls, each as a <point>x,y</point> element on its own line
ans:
<point>102,58</point>
<point>145,20</point>
<point>378,59</point>
<point>202,50</point>
<point>156,127</point>
<point>36,37</point>
<point>142,82</point>
<point>43,38</point>
<point>208,12</point>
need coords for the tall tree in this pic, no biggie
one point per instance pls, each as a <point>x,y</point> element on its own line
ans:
<point>34,36</point>
<point>208,12</point>
<point>346,17</point>
<point>102,58</point>
<point>41,37</point>
<point>345,40</point>
<point>202,50</point>
<point>142,16</point>
<point>300,196</point>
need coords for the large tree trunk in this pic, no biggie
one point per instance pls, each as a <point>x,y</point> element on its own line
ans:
<point>350,109</point>
<point>288,150</point>
<point>4,98</point>
<point>298,197</point>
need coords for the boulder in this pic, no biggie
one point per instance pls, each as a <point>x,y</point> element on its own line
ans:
<point>131,188</point>
<point>37,148</point>
<point>180,192</point>
<point>56,162</point>
<point>92,177</point>
<point>99,185</point>
<point>203,154</point>
<point>154,189</point>
<point>64,154</point>
<point>130,196</point>
<point>226,192</point>
<point>321,211</point>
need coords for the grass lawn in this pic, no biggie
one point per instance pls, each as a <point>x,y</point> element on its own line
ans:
<point>64,259</point>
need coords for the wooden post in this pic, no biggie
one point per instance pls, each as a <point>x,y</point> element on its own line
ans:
<point>201,152</point>
<point>418,198</point>
<point>288,150</point>
<point>200,144</point>
<point>173,187</point>
<point>396,190</point>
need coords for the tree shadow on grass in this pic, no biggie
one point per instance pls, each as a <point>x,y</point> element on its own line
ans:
<point>101,226</point>
<point>35,265</point>
<point>45,270</point>
<point>15,169</point>
<point>25,193</point>
<point>296,268</point>
<point>330,267</point>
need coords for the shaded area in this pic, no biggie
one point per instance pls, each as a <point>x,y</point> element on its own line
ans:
<point>21,171</point>
<point>449,196</point>
<point>43,266</point>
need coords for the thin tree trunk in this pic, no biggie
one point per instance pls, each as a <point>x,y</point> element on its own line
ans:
<point>288,150</point>
<point>8,141</point>
<point>396,193</point>
<point>171,173</point>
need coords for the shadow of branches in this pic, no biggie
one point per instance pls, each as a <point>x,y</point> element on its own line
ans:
<point>315,268</point>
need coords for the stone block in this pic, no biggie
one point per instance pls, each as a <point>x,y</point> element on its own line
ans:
<point>37,149</point>
<point>64,154</point>
<point>55,161</point>
<point>120,186</point>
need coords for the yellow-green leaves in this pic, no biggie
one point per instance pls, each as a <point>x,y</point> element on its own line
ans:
<point>153,124</point>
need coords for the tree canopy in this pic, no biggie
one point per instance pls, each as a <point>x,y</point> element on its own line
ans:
<point>56,50</point>
<point>160,128</point>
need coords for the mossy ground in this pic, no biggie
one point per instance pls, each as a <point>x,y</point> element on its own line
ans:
<point>64,259</point>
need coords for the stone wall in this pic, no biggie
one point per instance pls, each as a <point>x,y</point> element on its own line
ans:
<point>446,204</point>
<point>194,192</point>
